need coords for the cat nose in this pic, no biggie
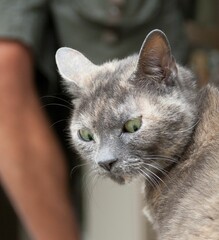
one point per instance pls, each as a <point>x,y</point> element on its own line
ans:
<point>107,164</point>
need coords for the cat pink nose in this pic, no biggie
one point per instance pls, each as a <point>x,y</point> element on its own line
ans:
<point>108,164</point>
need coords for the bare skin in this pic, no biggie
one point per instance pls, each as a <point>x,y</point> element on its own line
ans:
<point>32,169</point>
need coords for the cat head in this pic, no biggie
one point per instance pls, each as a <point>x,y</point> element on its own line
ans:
<point>132,117</point>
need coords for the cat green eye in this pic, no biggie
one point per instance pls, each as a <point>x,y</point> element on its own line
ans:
<point>132,125</point>
<point>86,135</point>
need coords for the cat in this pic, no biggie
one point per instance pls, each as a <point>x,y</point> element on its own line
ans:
<point>145,117</point>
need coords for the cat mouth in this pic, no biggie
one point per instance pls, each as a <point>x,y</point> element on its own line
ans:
<point>119,174</point>
<point>122,174</point>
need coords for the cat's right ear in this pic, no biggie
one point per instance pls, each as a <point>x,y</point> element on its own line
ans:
<point>74,68</point>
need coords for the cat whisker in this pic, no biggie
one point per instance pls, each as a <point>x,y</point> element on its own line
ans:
<point>147,178</point>
<point>56,104</point>
<point>51,96</point>
<point>62,120</point>
<point>89,174</point>
<point>191,127</point>
<point>152,175</point>
<point>141,165</point>
<point>160,157</point>
<point>156,176</point>
<point>93,184</point>
<point>163,171</point>
<point>78,166</point>
<point>140,162</point>
<point>136,163</point>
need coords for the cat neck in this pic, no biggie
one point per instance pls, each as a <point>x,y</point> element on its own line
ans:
<point>204,142</point>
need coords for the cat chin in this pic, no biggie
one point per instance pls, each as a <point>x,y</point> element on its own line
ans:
<point>118,179</point>
<point>121,179</point>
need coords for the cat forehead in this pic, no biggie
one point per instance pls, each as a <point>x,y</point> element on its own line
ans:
<point>110,88</point>
<point>111,112</point>
<point>109,104</point>
<point>115,73</point>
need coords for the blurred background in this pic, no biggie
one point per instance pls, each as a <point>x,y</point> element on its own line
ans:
<point>104,209</point>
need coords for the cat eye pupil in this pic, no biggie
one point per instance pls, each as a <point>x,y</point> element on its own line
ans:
<point>135,128</point>
<point>90,137</point>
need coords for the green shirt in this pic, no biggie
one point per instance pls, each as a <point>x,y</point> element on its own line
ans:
<point>101,29</point>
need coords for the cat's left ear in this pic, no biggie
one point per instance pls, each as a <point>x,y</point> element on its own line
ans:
<point>155,59</point>
<point>74,67</point>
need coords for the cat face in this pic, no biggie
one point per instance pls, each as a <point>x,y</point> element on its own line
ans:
<point>132,117</point>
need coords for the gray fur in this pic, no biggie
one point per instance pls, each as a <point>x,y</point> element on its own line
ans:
<point>175,150</point>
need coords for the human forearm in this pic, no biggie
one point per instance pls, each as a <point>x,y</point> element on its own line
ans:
<point>31,163</point>
<point>34,176</point>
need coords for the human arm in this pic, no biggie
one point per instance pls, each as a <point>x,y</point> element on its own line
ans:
<point>32,168</point>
